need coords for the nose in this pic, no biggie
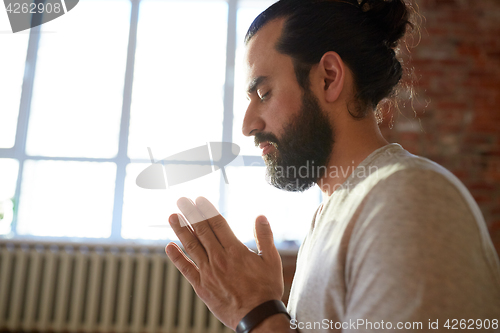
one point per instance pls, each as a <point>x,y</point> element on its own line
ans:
<point>253,122</point>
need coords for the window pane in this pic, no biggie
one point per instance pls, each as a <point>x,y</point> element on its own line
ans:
<point>247,12</point>
<point>78,88</point>
<point>12,59</point>
<point>146,212</point>
<point>8,178</point>
<point>72,199</point>
<point>177,100</point>
<point>249,195</point>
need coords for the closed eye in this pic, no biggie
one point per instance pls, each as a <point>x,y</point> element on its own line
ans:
<point>265,96</point>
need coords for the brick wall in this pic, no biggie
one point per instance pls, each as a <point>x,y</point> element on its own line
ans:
<point>455,120</point>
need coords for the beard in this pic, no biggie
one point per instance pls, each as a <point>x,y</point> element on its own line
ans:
<point>301,154</point>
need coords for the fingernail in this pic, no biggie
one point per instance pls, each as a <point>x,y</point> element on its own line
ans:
<point>263,220</point>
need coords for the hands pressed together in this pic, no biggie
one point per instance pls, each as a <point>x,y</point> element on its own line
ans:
<point>226,275</point>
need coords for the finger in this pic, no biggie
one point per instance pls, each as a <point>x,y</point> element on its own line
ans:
<point>218,223</point>
<point>264,238</point>
<point>191,244</point>
<point>183,264</point>
<point>190,211</point>
<point>201,227</point>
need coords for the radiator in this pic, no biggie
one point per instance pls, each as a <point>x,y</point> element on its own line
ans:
<point>89,288</point>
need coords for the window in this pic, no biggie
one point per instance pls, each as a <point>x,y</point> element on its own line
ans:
<point>85,95</point>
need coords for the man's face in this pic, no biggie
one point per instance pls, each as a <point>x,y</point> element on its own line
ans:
<point>287,122</point>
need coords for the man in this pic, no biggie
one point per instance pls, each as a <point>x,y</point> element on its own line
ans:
<point>397,244</point>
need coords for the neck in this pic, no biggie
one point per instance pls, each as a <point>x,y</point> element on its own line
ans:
<point>354,141</point>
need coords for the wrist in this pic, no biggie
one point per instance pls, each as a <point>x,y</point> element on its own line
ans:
<point>260,314</point>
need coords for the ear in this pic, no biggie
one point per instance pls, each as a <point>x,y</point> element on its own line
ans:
<point>333,71</point>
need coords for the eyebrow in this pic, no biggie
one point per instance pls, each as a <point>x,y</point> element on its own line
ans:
<point>252,87</point>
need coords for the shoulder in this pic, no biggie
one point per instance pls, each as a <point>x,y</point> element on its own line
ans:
<point>415,186</point>
<point>415,236</point>
<point>399,177</point>
<point>415,208</point>
<point>418,198</point>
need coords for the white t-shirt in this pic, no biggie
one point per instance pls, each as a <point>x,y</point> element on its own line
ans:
<point>401,243</point>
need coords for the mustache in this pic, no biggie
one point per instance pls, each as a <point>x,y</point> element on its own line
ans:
<point>263,137</point>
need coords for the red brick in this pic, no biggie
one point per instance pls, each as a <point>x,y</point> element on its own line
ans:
<point>482,186</point>
<point>458,71</point>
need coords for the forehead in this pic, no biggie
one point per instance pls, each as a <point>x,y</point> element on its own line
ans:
<point>261,57</point>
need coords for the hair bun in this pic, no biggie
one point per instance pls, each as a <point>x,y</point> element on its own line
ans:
<point>391,15</point>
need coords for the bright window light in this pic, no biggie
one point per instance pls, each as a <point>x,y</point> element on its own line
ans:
<point>79,176</point>
<point>146,212</point>
<point>66,199</point>
<point>177,100</point>
<point>249,195</point>
<point>12,59</point>
<point>8,178</point>
<point>78,88</point>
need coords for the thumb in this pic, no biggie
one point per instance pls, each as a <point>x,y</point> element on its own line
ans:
<point>264,237</point>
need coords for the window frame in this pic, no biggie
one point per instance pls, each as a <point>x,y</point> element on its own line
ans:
<point>121,160</point>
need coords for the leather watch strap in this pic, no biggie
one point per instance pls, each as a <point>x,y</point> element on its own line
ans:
<point>258,314</point>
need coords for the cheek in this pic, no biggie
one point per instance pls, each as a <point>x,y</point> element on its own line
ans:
<point>281,112</point>
<point>292,101</point>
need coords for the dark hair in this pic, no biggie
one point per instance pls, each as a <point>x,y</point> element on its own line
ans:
<point>365,34</point>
